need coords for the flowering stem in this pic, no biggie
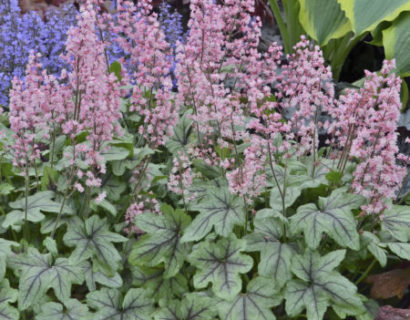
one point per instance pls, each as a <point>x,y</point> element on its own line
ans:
<point>366,273</point>
<point>60,213</point>
<point>26,185</point>
<point>282,195</point>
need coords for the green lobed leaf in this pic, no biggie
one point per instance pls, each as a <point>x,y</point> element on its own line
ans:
<point>93,240</point>
<point>110,304</point>
<point>320,286</point>
<point>8,295</point>
<point>162,241</point>
<point>333,216</point>
<point>220,263</point>
<point>323,20</point>
<point>276,255</point>
<point>375,247</point>
<point>400,249</point>
<point>36,205</point>
<point>219,210</point>
<point>115,153</point>
<point>365,15</point>
<point>93,276</point>
<point>72,309</point>
<point>396,221</point>
<point>193,306</point>
<point>5,252</point>
<point>261,295</point>
<point>39,273</point>
<point>182,132</point>
<point>157,286</point>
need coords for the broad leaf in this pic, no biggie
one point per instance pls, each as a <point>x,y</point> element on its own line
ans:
<point>93,239</point>
<point>400,249</point>
<point>182,131</point>
<point>220,210</point>
<point>110,304</point>
<point>162,241</point>
<point>40,202</point>
<point>8,295</point>
<point>119,166</point>
<point>365,15</point>
<point>333,217</point>
<point>323,27</point>
<point>39,273</point>
<point>261,295</point>
<point>276,256</point>
<point>396,41</point>
<point>375,247</point>
<point>93,276</point>
<point>115,153</point>
<point>192,307</point>
<point>156,285</point>
<point>320,286</point>
<point>5,251</point>
<point>396,221</point>
<point>220,263</point>
<point>71,310</point>
<point>36,205</point>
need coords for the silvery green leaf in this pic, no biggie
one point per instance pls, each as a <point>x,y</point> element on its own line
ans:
<point>319,286</point>
<point>375,247</point>
<point>93,239</point>
<point>72,309</point>
<point>276,255</point>
<point>193,306</point>
<point>111,305</point>
<point>157,286</point>
<point>221,264</point>
<point>396,221</point>
<point>39,273</point>
<point>8,295</point>
<point>332,216</point>
<point>261,295</point>
<point>162,241</point>
<point>219,210</point>
<point>400,249</point>
<point>93,276</point>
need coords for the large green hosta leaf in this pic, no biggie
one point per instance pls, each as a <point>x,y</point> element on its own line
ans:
<point>220,210</point>
<point>192,307</point>
<point>276,256</point>
<point>333,216</point>
<point>396,221</point>
<point>93,239</point>
<point>323,20</point>
<point>261,295</point>
<point>396,42</point>
<point>162,241</point>
<point>320,286</point>
<point>365,15</point>
<point>158,287</point>
<point>71,310</point>
<point>39,273</point>
<point>110,304</point>
<point>220,263</point>
<point>8,295</point>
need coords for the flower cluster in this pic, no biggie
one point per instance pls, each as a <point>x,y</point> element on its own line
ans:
<point>364,127</point>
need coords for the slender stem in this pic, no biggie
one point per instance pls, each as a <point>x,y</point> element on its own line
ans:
<point>366,273</point>
<point>60,213</point>
<point>281,24</point>
<point>26,187</point>
<point>282,195</point>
